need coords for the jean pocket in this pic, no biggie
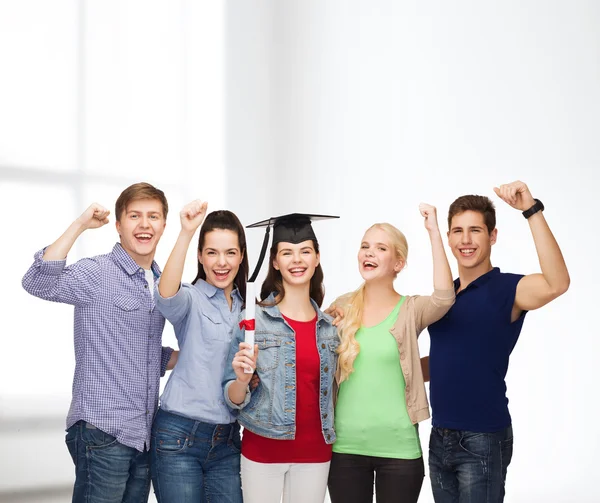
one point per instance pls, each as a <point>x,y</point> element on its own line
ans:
<point>506,451</point>
<point>476,444</point>
<point>169,442</point>
<point>94,438</point>
<point>71,441</point>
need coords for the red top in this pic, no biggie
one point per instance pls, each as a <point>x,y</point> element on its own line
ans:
<point>308,445</point>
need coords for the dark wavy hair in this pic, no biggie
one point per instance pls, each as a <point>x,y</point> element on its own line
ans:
<point>274,282</point>
<point>225,220</point>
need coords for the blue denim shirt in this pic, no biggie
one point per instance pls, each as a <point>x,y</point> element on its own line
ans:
<point>270,409</point>
<point>203,326</point>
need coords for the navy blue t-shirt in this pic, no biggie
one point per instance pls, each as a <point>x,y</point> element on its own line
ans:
<point>468,359</point>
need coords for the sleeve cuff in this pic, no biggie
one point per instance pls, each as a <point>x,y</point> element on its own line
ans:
<point>444,297</point>
<point>164,360</point>
<point>50,267</point>
<point>168,301</point>
<point>236,406</point>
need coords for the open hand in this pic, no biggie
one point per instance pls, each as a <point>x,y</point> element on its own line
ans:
<point>337,313</point>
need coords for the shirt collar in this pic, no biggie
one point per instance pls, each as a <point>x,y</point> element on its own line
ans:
<point>481,280</point>
<point>211,290</point>
<point>274,311</point>
<point>128,264</point>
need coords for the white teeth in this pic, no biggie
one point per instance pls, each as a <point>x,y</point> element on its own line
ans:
<point>371,264</point>
<point>143,236</point>
<point>296,270</point>
<point>467,250</point>
<point>221,272</point>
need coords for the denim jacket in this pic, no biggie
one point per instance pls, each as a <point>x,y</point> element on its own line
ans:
<point>270,409</point>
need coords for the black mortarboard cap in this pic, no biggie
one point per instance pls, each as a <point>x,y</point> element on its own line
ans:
<point>293,228</point>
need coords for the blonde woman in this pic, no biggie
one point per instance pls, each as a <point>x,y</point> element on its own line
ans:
<point>381,394</point>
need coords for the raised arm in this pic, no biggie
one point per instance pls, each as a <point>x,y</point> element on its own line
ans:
<point>92,218</point>
<point>191,216</point>
<point>49,277</point>
<point>429,309</point>
<point>442,275</point>
<point>536,290</point>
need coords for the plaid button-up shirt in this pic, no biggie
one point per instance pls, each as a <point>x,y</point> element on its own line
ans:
<point>118,353</point>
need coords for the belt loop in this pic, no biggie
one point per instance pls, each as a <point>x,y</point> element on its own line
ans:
<point>232,430</point>
<point>193,433</point>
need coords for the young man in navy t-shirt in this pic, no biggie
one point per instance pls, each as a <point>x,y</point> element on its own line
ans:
<point>471,437</point>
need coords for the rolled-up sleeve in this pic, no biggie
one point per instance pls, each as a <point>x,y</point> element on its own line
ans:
<point>164,359</point>
<point>177,307</point>
<point>53,280</point>
<point>431,308</point>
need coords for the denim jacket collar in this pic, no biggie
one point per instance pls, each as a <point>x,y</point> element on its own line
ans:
<point>274,312</point>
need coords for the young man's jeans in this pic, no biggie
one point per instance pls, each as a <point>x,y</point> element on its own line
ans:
<point>195,462</point>
<point>469,467</point>
<point>105,470</point>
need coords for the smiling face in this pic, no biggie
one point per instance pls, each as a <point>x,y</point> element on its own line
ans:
<point>221,258</point>
<point>296,262</point>
<point>470,241</point>
<point>141,226</point>
<point>377,257</point>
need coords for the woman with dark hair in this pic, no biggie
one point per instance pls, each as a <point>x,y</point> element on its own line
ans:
<point>288,417</point>
<point>195,449</point>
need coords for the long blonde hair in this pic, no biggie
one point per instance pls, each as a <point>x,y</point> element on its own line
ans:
<point>353,305</point>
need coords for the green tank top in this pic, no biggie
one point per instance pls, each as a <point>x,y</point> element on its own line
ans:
<point>370,415</point>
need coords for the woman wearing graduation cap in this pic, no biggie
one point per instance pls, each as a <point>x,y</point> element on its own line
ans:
<point>288,418</point>
<point>381,386</point>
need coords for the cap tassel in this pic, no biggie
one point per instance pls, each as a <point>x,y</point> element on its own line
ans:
<point>261,257</point>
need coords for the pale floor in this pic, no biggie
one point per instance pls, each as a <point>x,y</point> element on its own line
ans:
<point>60,497</point>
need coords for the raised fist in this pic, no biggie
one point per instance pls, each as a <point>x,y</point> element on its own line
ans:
<point>515,194</point>
<point>192,215</point>
<point>430,214</point>
<point>94,217</point>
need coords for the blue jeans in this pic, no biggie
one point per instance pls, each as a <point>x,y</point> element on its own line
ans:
<point>194,461</point>
<point>469,467</point>
<point>105,470</point>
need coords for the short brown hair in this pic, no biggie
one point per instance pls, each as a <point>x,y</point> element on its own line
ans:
<point>138,191</point>
<point>480,204</point>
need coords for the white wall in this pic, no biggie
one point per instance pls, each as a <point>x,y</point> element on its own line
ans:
<point>94,95</point>
<point>361,109</point>
<point>380,105</point>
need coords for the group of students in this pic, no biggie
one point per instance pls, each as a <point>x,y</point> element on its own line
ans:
<point>326,399</point>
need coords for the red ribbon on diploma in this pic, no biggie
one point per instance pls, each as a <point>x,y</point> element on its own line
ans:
<point>247,324</point>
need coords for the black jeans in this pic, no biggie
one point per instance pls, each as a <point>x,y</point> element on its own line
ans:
<point>396,480</point>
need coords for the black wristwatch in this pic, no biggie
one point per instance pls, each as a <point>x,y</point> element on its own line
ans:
<point>538,206</point>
